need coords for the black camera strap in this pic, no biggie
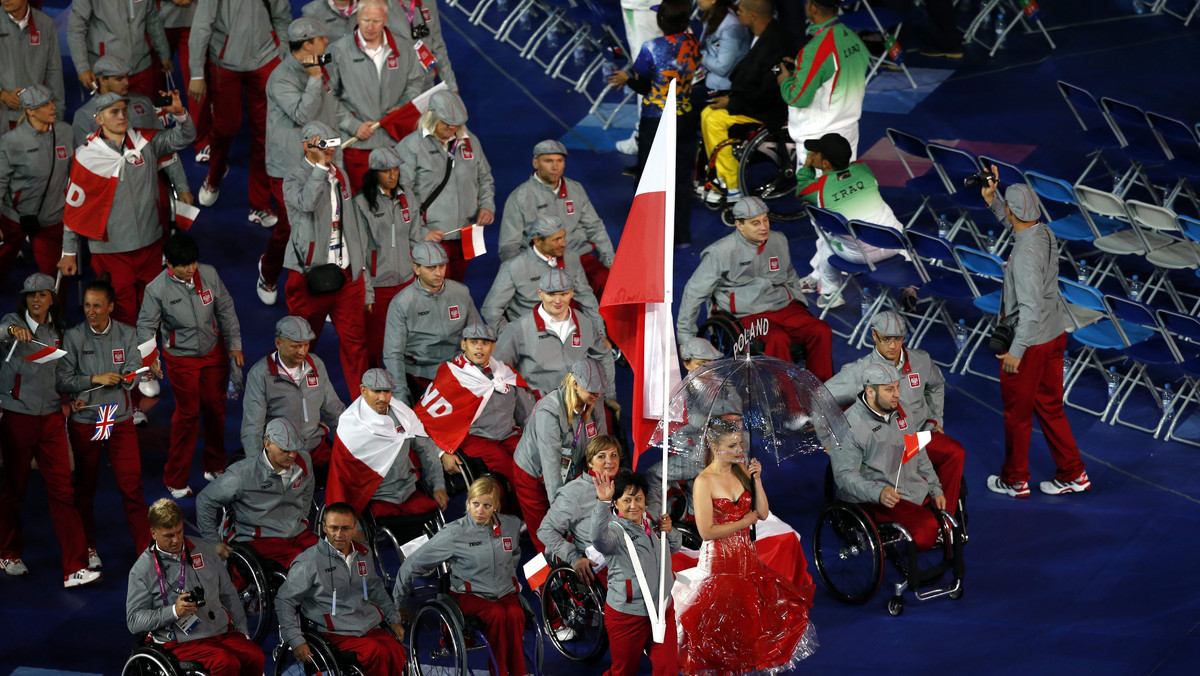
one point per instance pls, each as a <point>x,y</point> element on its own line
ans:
<point>53,165</point>
<point>441,186</point>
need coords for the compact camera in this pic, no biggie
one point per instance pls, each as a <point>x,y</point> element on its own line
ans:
<point>420,32</point>
<point>162,101</point>
<point>979,180</point>
<point>324,59</point>
<point>196,595</point>
<point>328,143</point>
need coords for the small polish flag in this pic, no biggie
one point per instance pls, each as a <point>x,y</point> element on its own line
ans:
<point>185,214</point>
<point>130,377</point>
<point>472,242</point>
<point>149,352</point>
<point>536,571</point>
<point>913,443</point>
<point>47,353</point>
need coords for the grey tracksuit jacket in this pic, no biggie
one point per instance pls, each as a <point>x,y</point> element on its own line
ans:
<point>189,320</point>
<point>400,482</point>
<point>543,359</point>
<point>549,440</point>
<point>368,93</point>
<point>306,192</point>
<point>514,292</point>
<point>401,26</point>
<point>922,397</point>
<point>146,611</point>
<point>30,56</point>
<point>293,100</point>
<point>263,505</point>
<point>34,165</point>
<point>119,28</point>
<point>424,330</point>
<point>469,189</point>
<point>868,459</point>
<point>336,25</point>
<point>26,387</point>
<point>570,516</point>
<point>393,227</point>
<point>238,35</point>
<point>89,354</point>
<point>1031,285</point>
<point>569,202</point>
<point>142,115</point>
<point>174,16</point>
<point>311,405</point>
<point>483,558</point>
<point>624,592</point>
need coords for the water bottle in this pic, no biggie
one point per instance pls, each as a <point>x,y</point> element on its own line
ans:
<point>606,71</point>
<point>960,335</point>
<point>1135,288</point>
<point>231,392</point>
<point>1139,7</point>
<point>502,5</point>
<point>943,227</point>
<point>525,21</point>
<point>552,38</point>
<point>867,301</point>
<point>1118,189</point>
<point>991,242</point>
<point>1067,364</point>
<point>1167,397</point>
<point>999,24</point>
<point>1083,271</point>
<point>1113,379</point>
<point>580,54</point>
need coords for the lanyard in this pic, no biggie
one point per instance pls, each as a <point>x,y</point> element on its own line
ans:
<point>162,585</point>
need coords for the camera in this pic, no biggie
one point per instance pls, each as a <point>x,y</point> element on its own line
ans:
<point>162,101</point>
<point>777,69</point>
<point>419,32</point>
<point>979,180</point>
<point>324,59</point>
<point>196,595</point>
<point>326,143</point>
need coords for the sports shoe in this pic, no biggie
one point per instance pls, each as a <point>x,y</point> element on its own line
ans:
<point>830,301</point>
<point>809,284</point>
<point>264,218</point>
<point>94,559</point>
<point>212,476</point>
<point>209,194</point>
<point>139,418</point>
<point>266,292</point>
<point>564,633</point>
<point>14,566</point>
<point>628,146</point>
<point>1018,490</point>
<point>1076,485</point>
<point>180,493</point>
<point>203,154</point>
<point>80,577</point>
<point>148,385</point>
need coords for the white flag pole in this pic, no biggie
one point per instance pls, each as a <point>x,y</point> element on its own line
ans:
<point>667,125</point>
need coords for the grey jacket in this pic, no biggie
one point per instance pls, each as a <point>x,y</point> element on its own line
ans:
<point>569,202</point>
<point>237,35</point>
<point>117,28</point>
<point>570,516</point>
<point>552,449</point>
<point>26,387</point>
<point>146,611</point>
<point>868,459</point>
<point>311,405</point>
<point>174,16</point>
<point>336,25</point>
<point>469,189</point>
<point>483,558</point>
<point>366,93</point>
<point>263,505</point>
<point>1031,285</point>
<point>424,330</point>
<point>514,292</point>
<point>922,386</point>
<point>306,192</point>
<point>543,359</point>
<point>89,354</point>
<point>505,414</point>
<point>142,115</point>
<point>189,320</point>
<point>318,576</point>
<point>293,100</point>
<point>741,279</point>
<point>27,60</point>
<point>33,165</point>
<point>393,227</point>
<point>607,538</point>
<point>401,27</point>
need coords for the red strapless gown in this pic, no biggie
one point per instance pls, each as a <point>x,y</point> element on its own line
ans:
<point>744,617</point>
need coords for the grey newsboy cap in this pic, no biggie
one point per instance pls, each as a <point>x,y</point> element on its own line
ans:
<point>35,96</point>
<point>379,380</point>
<point>38,282</point>
<point>105,100</point>
<point>294,328</point>
<point>889,323</point>
<point>590,375</point>
<point>305,28</point>
<point>545,226</point>
<point>555,281</point>
<point>479,331</point>
<point>698,348</point>
<point>429,254</point>
<point>282,433</point>
<point>317,128</point>
<point>749,207</point>
<point>448,107</point>
<point>549,147</point>
<point>880,374</point>
<point>382,159</point>
<point>1022,202</point>
<point>111,66</point>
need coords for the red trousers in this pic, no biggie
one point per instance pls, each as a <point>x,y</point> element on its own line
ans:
<point>229,654</point>
<point>284,550</point>
<point>630,635</point>
<point>497,455</point>
<point>597,274</point>
<point>504,626</point>
<point>920,521</point>
<point>793,323</point>
<point>356,162</point>
<point>377,651</point>
<point>457,268</point>
<point>376,322</point>
<point>47,247</point>
<point>131,271</point>
<point>225,91</point>
<point>272,259</point>
<point>199,385</point>
<point>201,111</point>
<point>948,457</point>
<point>149,80</point>
<point>418,503</point>
<point>123,455</point>
<point>345,307</point>
<point>44,437</point>
<point>531,495</point>
<point>1037,389</point>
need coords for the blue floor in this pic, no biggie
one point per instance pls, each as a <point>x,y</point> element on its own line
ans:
<point>1103,583</point>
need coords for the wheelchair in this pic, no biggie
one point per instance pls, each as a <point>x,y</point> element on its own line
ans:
<point>850,547</point>
<point>569,602</point>
<point>257,579</point>
<point>150,659</point>
<point>766,168</point>
<point>326,660</point>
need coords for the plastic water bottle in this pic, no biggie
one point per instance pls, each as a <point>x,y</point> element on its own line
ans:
<point>231,392</point>
<point>502,5</point>
<point>1118,189</point>
<point>606,71</point>
<point>1113,379</point>
<point>1067,364</point>
<point>1167,397</point>
<point>943,227</point>
<point>1083,271</point>
<point>1139,7</point>
<point>867,301</point>
<point>991,242</point>
<point>525,21</point>
<point>580,54</point>
<point>552,38</point>
<point>960,335</point>
<point>1135,288</point>
<point>999,24</point>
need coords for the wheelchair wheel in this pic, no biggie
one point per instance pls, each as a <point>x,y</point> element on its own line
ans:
<point>151,660</point>
<point>436,646</point>
<point>848,553</point>
<point>569,603</point>
<point>534,646</point>
<point>324,660</point>
<point>385,547</point>
<point>722,330</point>
<point>255,589</point>
<point>767,169</point>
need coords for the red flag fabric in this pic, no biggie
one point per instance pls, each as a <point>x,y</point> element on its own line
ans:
<point>456,397</point>
<point>913,443</point>
<point>94,177</point>
<point>185,214</point>
<point>364,449</point>
<point>472,242</point>
<point>46,354</point>
<point>402,121</point>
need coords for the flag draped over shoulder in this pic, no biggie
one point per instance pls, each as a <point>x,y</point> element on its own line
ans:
<point>364,449</point>
<point>95,174</point>
<point>456,398</point>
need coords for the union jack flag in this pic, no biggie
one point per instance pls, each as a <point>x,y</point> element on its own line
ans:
<point>105,419</point>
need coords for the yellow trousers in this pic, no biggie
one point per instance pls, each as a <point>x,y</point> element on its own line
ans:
<point>714,127</point>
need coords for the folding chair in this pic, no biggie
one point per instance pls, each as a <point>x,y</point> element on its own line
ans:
<point>1183,332</point>
<point>1182,148</point>
<point>1126,241</point>
<point>1173,251</point>
<point>1141,147</point>
<point>991,268</point>
<point>1016,15</point>
<point>928,186</point>
<point>944,282</point>
<point>896,272</point>
<point>954,165</point>
<point>1073,227</point>
<point>859,16</point>
<point>829,224</point>
<point>1161,6</point>
<point>1154,350</point>
<point>1098,131</point>
<point>1009,174</point>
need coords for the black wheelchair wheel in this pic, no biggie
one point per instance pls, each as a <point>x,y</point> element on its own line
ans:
<point>574,612</point>
<point>722,330</point>
<point>254,587</point>
<point>436,646</point>
<point>151,660</point>
<point>767,169</point>
<point>848,553</point>
<point>323,663</point>
<point>533,645</point>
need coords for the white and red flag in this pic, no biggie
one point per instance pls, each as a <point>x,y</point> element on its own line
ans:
<point>148,351</point>
<point>95,174</point>
<point>402,121</point>
<point>185,214</point>
<point>457,396</point>
<point>472,241</point>
<point>364,449</point>
<point>45,354</point>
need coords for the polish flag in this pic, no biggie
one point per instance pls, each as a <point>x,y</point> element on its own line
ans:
<point>457,396</point>
<point>403,121</point>
<point>913,443</point>
<point>472,241</point>
<point>46,354</point>
<point>185,214</point>
<point>536,571</point>
<point>364,449</point>
<point>148,351</point>
<point>130,377</point>
<point>95,174</point>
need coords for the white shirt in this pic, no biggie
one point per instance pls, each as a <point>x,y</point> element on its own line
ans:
<point>552,261</point>
<point>23,22</point>
<point>378,54</point>
<point>294,373</point>
<point>344,13</point>
<point>33,326</point>
<point>337,244</point>
<point>288,475</point>
<point>105,331</point>
<point>563,329</point>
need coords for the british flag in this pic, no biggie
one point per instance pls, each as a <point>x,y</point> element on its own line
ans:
<point>105,419</point>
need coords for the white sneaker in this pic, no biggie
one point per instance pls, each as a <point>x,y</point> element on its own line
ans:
<point>212,476</point>
<point>80,577</point>
<point>149,385</point>
<point>208,194</point>
<point>203,154</point>
<point>139,418</point>
<point>809,284</point>
<point>264,218</point>
<point>267,293</point>
<point>628,146</point>
<point>1056,487</point>
<point>94,559</point>
<point>830,301</point>
<point>1017,490</point>
<point>564,633</point>
<point>14,566</point>
<point>180,493</point>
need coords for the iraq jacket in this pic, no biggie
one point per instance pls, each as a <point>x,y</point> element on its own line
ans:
<point>28,387</point>
<point>142,115</point>
<point>393,227</point>
<point>342,595</point>
<point>483,558</point>
<point>337,25</point>
<point>306,191</point>
<point>311,404</point>
<point>1030,290</point>
<point>238,35</point>
<point>294,99</point>
<point>624,592</point>
<point>122,28</point>
<point>543,358</point>
<point>825,91</point>
<point>424,330</point>
<point>742,278</point>
<point>189,319</point>
<point>514,292</point>
<point>35,168</point>
<point>569,202</point>
<point>922,386</point>
<point>368,93</point>
<point>566,530</point>
<point>89,354</point>
<point>264,503</point>
<point>469,189</point>
<point>147,611</point>
<point>553,449</point>
<point>426,15</point>
<point>868,459</point>
<point>30,55</point>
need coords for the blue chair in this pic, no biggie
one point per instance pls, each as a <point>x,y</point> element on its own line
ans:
<point>896,272</point>
<point>1074,226</point>
<point>1141,147</point>
<point>1183,331</point>
<point>830,224</point>
<point>1153,350</point>
<point>989,268</point>
<point>929,185</point>
<point>944,281</point>
<point>1181,145</point>
<point>1097,130</point>
<point>1009,174</point>
<point>954,165</point>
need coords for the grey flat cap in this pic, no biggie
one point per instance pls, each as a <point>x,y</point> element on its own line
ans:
<point>35,96</point>
<point>590,375</point>
<point>318,128</point>
<point>698,348</point>
<point>111,66</point>
<point>880,374</point>
<point>749,207</point>
<point>38,282</point>
<point>430,254</point>
<point>305,28</point>
<point>545,226</point>
<point>889,323</point>
<point>448,107</point>
<point>556,280</point>
<point>549,147</point>
<point>282,433</point>
<point>1022,202</point>
<point>382,159</point>
<point>105,100</point>
<point>294,328</point>
<point>379,380</point>
<point>479,331</point>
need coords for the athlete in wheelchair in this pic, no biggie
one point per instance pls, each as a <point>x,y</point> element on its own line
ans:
<point>481,608</point>
<point>889,504</point>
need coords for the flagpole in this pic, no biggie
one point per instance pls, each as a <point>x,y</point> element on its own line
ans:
<point>665,385</point>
